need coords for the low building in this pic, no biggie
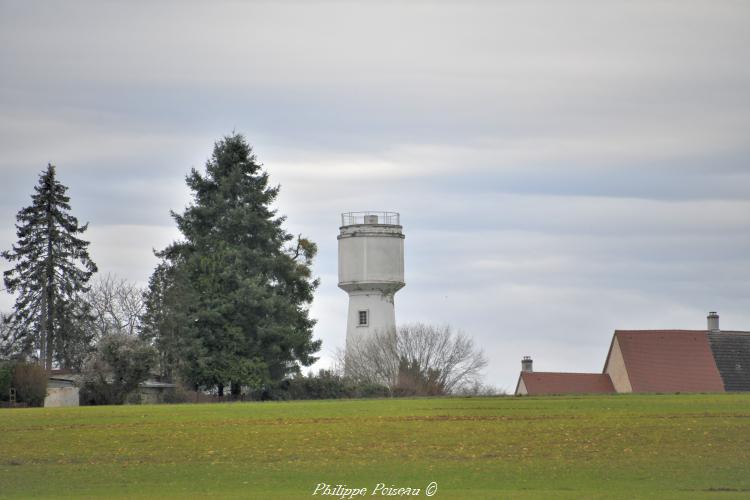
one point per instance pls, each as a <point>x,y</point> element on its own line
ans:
<point>62,389</point>
<point>666,361</point>
<point>153,391</point>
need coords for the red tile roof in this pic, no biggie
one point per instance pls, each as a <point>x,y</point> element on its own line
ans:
<point>669,361</point>
<point>538,383</point>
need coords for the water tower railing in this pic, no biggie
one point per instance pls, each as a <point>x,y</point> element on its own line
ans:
<point>352,218</point>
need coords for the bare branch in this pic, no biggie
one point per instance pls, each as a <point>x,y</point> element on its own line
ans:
<point>417,358</point>
<point>116,305</point>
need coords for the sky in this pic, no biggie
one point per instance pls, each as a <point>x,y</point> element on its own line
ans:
<point>562,169</point>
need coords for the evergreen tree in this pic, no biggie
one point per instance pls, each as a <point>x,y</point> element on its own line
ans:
<point>245,283</point>
<point>162,322</point>
<point>52,267</point>
<point>9,344</point>
<point>77,336</point>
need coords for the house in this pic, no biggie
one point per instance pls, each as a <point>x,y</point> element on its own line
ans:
<point>708,360</point>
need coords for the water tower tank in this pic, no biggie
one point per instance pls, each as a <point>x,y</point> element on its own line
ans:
<point>371,270</point>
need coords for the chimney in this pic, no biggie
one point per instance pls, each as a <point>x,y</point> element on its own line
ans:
<point>713,321</point>
<point>526,363</point>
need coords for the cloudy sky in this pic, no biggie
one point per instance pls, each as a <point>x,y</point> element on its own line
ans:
<point>562,169</point>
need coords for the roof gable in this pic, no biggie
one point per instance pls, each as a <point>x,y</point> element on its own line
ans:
<point>669,361</point>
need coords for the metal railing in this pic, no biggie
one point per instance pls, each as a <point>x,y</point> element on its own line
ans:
<point>352,218</point>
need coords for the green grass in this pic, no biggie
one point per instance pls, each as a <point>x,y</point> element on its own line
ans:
<point>556,447</point>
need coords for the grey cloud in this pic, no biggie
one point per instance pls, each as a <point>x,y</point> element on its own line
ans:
<point>562,170</point>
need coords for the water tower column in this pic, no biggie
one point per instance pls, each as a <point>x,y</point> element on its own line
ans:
<point>371,270</point>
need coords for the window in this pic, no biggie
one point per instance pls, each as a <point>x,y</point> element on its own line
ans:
<point>362,318</point>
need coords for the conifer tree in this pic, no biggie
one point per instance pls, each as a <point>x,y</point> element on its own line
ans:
<point>162,321</point>
<point>245,283</point>
<point>52,267</point>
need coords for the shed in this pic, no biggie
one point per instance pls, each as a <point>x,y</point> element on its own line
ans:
<point>62,389</point>
<point>153,391</point>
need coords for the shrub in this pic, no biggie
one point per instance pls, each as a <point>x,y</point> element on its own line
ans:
<point>178,395</point>
<point>133,398</point>
<point>413,380</point>
<point>95,391</point>
<point>30,382</point>
<point>480,389</point>
<point>6,374</point>
<point>325,385</point>
<point>120,363</point>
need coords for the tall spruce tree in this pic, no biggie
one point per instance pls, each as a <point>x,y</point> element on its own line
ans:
<point>162,322</point>
<point>245,284</point>
<point>52,267</point>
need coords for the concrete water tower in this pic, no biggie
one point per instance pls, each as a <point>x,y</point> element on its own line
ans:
<point>371,270</point>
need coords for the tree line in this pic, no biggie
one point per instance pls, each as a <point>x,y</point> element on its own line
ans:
<point>226,308</point>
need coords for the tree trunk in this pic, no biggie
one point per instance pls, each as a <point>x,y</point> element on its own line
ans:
<point>236,391</point>
<point>49,328</point>
<point>47,359</point>
<point>221,390</point>
<point>42,332</point>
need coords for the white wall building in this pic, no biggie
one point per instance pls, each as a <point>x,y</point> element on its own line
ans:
<point>62,389</point>
<point>371,270</point>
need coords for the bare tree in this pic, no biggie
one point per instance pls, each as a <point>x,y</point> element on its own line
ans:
<point>116,305</point>
<point>480,389</point>
<point>373,359</point>
<point>416,359</point>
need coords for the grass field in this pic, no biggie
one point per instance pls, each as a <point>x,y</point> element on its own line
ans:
<point>557,447</point>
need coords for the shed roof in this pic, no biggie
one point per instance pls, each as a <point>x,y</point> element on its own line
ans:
<point>64,376</point>
<point>669,360</point>
<point>156,384</point>
<point>538,383</point>
<point>731,352</point>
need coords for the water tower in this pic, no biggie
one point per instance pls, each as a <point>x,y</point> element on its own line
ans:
<point>371,270</point>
